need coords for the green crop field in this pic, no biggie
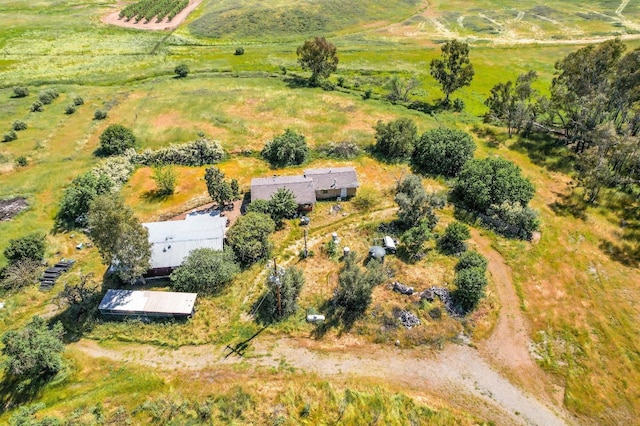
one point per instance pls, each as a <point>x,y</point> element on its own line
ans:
<point>576,290</point>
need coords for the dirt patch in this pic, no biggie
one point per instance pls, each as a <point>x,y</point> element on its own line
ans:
<point>12,207</point>
<point>114,19</point>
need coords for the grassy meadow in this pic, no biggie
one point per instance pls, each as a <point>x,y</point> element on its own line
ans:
<point>576,287</point>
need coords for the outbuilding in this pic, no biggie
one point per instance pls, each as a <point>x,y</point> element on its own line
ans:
<point>147,304</point>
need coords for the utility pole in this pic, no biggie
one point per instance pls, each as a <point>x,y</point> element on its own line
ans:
<point>277,280</point>
<point>306,253</point>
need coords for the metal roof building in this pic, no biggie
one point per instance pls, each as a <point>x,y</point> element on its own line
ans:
<point>301,187</point>
<point>156,304</point>
<point>173,240</point>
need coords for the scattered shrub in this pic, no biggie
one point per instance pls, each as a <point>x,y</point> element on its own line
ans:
<point>240,51</point>
<point>10,136</point>
<point>344,150</point>
<point>367,94</point>
<point>37,106</point>
<point>20,92</point>
<point>19,125</point>
<point>165,178</point>
<point>100,114</point>
<point>197,153</point>
<point>340,81</point>
<point>21,274</point>
<point>22,161</point>
<point>395,140</point>
<point>70,109</point>
<point>182,71</point>
<point>470,284</point>
<point>47,96</point>
<point>77,101</point>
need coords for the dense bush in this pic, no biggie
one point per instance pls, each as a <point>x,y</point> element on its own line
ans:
<point>20,274</point>
<point>472,259</point>
<point>470,284</point>
<point>117,169</point>
<point>22,161</point>
<point>29,247</point>
<point>492,181</point>
<point>37,106</point>
<point>115,140</point>
<point>282,205</point>
<point>511,220</point>
<point>346,150</point>
<point>415,205</point>
<point>77,197</point>
<point>239,51</point>
<point>182,70</point>
<point>10,136</point>
<point>395,140</point>
<point>165,179</point>
<point>70,109</point>
<point>205,271</point>
<point>19,125</point>
<point>288,149</point>
<point>100,114</point>
<point>259,206</point>
<point>197,153</point>
<point>353,295</point>
<point>47,96</point>
<point>414,239</point>
<point>20,92</point>
<point>454,237</point>
<point>249,237</point>
<point>77,101</point>
<point>290,284</point>
<point>443,151</point>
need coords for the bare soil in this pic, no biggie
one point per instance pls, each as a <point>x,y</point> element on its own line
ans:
<point>12,207</point>
<point>165,24</point>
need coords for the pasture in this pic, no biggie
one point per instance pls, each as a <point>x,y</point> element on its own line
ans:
<point>575,287</point>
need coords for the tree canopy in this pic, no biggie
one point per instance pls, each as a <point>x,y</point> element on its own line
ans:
<point>492,181</point>
<point>249,237</point>
<point>78,196</point>
<point>470,284</point>
<point>415,203</point>
<point>120,238</point>
<point>290,284</point>
<point>443,151</point>
<point>453,69</point>
<point>33,352</point>
<point>395,140</point>
<point>454,237</point>
<point>29,247</point>
<point>513,104</point>
<point>319,56</point>
<point>288,149</point>
<point>219,189</point>
<point>282,205</point>
<point>115,140</point>
<point>205,271</point>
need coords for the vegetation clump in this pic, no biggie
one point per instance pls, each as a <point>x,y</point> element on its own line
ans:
<point>288,149</point>
<point>443,151</point>
<point>47,96</point>
<point>396,139</point>
<point>165,178</point>
<point>415,204</point>
<point>37,106</point>
<point>318,56</point>
<point>288,284</point>
<point>30,247</point>
<point>205,271</point>
<point>19,125</point>
<point>20,92</point>
<point>10,136</point>
<point>182,70</point>
<point>100,114</point>
<point>249,237</point>
<point>196,153</point>
<point>453,240</point>
<point>115,140</point>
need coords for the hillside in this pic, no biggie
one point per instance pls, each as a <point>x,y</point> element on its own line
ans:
<point>555,339</point>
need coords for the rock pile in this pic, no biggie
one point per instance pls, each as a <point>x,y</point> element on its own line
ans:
<point>402,289</point>
<point>408,319</point>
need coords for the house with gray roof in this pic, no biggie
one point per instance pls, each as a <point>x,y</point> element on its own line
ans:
<point>333,182</point>
<point>302,188</point>
<point>173,240</point>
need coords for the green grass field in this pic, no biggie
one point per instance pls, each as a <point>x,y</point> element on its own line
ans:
<point>582,300</point>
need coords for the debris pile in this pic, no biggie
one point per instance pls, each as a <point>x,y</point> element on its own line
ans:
<point>408,319</point>
<point>50,275</point>
<point>402,289</point>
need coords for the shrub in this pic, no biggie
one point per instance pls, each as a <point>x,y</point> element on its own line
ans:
<point>77,197</point>
<point>47,96</point>
<point>288,149</point>
<point>366,199</point>
<point>259,206</point>
<point>77,101</point>
<point>19,125</point>
<point>454,237</point>
<point>22,161</point>
<point>116,169</point>
<point>70,109</point>
<point>205,271</point>
<point>346,150</point>
<point>472,259</point>
<point>20,274</point>
<point>470,284</point>
<point>240,51</point>
<point>165,179</point>
<point>443,151</point>
<point>340,81</point>
<point>367,94</point>
<point>197,153</point>
<point>290,283</point>
<point>511,220</point>
<point>10,136</point>
<point>20,92</point>
<point>415,204</point>
<point>115,140</point>
<point>29,247</point>
<point>100,114</point>
<point>182,71</point>
<point>282,205</point>
<point>395,140</point>
<point>37,106</point>
<point>353,295</point>
<point>249,237</point>
<point>458,105</point>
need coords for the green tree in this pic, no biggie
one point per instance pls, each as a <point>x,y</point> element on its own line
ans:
<point>454,237</point>
<point>115,140</point>
<point>443,151</point>
<point>415,203</point>
<point>395,140</point>
<point>219,189</point>
<point>353,295</point>
<point>19,125</point>
<point>318,56</point>
<point>512,104</point>
<point>453,69</point>
<point>289,284</point>
<point>165,179</point>
<point>29,247</point>
<point>492,181</point>
<point>259,206</point>
<point>120,238</point>
<point>77,198</point>
<point>414,239</point>
<point>235,188</point>
<point>282,205</point>
<point>205,271</point>
<point>249,237</point>
<point>288,149</point>
<point>472,259</point>
<point>182,70</point>
<point>33,352</point>
<point>470,283</point>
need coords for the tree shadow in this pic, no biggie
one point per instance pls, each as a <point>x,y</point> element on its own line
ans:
<point>545,151</point>
<point>569,204</point>
<point>15,392</point>
<point>626,248</point>
<point>155,196</point>
<point>426,107</point>
<point>296,82</point>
